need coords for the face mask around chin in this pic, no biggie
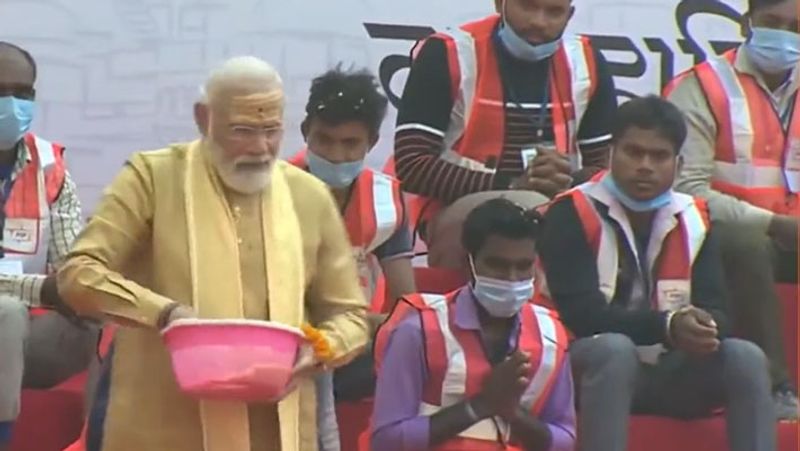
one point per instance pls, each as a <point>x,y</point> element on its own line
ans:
<point>632,204</point>
<point>336,175</point>
<point>520,48</point>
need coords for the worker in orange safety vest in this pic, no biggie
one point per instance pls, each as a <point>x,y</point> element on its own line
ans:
<point>480,368</point>
<point>507,102</point>
<point>343,118</point>
<point>40,216</point>
<point>634,271</point>
<point>743,156</point>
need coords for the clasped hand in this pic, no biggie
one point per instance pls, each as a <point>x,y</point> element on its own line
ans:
<point>503,387</point>
<point>694,331</point>
<point>548,173</point>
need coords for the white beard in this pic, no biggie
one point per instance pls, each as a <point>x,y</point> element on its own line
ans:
<point>243,181</point>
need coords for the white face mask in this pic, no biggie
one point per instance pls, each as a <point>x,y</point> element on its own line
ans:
<point>501,298</point>
<point>520,48</point>
<point>773,51</point>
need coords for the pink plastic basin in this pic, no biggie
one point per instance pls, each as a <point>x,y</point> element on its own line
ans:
<point>232,360</point>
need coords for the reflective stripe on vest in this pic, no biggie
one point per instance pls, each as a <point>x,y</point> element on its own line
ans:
<point>476,132</point>
<point>678,234</point>
<point>751,144</point>
<point>457,364</point>
<point>372,215</point>
<point>374,212</point>
<point>26,231</point>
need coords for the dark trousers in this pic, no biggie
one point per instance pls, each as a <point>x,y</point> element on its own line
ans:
<point>753,263</point>
<point>612,383</point>
<point>356,380</point>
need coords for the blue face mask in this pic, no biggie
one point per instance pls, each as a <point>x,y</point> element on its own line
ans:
<point>632,204</point>
<point>773,51</point>
<point>521,49</point>
<point>336,175</point>
<point>16,116</point>
<point>501,298</point>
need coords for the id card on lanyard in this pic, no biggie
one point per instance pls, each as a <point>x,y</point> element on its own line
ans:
<point>529,151</point>
<point>5,190</point>
<point>791,165</point>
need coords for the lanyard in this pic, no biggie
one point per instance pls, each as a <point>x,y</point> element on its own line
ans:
<point>788,112</point>
<point>791,159</point>
<point>539,120</point>
<point>6,174</point>
<point>5,189</point>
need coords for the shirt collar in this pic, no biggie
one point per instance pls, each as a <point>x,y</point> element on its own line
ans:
<point>23,157</point>
<point>743,64</point>
<point>598,192</point>
<point>23,153</point>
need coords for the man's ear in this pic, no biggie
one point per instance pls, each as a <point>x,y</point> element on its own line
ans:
<point>498,6</point>
<point>678,167</point>
<point>571,13</point>
<point>304,129</point>
<point>201,117</point>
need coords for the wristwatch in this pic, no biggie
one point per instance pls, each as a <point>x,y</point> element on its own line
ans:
<point>163,317</point>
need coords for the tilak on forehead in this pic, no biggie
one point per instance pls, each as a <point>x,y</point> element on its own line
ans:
<point>259,108</point>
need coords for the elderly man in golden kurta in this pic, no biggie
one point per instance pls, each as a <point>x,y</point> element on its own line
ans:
<point>219,228</point>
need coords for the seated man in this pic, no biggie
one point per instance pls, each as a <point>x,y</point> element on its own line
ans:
<point>507,102</point>
<point>217,228</point>
<point>480,368</point>
<point>633,266</point>
<point>742,156</point>
<point>343,119</point>
<point>41,217</point>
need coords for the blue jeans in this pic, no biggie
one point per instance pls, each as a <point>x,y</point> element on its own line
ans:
<point>327,426</point>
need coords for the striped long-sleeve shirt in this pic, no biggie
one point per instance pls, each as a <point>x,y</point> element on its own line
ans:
<point>65,224</point>
<point>424,116</point>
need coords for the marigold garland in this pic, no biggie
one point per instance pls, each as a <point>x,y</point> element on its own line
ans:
<point>320,344</point>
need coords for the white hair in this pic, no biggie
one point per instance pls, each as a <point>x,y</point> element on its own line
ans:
<point>242,75</point>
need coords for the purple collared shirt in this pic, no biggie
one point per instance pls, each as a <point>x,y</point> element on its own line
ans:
<point>397,424</point>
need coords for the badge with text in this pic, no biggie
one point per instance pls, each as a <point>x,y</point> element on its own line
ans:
<point>673,294</point>
<point>20,235</point>
<point>791,168</point>
<point>528,156</point>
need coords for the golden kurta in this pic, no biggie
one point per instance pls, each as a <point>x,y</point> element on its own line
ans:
<point>133,259</point>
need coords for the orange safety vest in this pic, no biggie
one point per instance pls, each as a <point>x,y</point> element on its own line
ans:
<point>26,231</point>
<point>373,214</point>
<point>751,143</point>
<point>476,135</point>
<point>457,364</point>
<point>679,232</point>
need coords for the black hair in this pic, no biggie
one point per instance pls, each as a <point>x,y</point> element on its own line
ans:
<point>651,113</point>
<point>25,54</point>
<point>340,96</point>
<point>500,217</point>
<point>753,5</point>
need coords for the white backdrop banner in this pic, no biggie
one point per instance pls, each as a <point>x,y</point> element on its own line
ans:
<point>117,76</point>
